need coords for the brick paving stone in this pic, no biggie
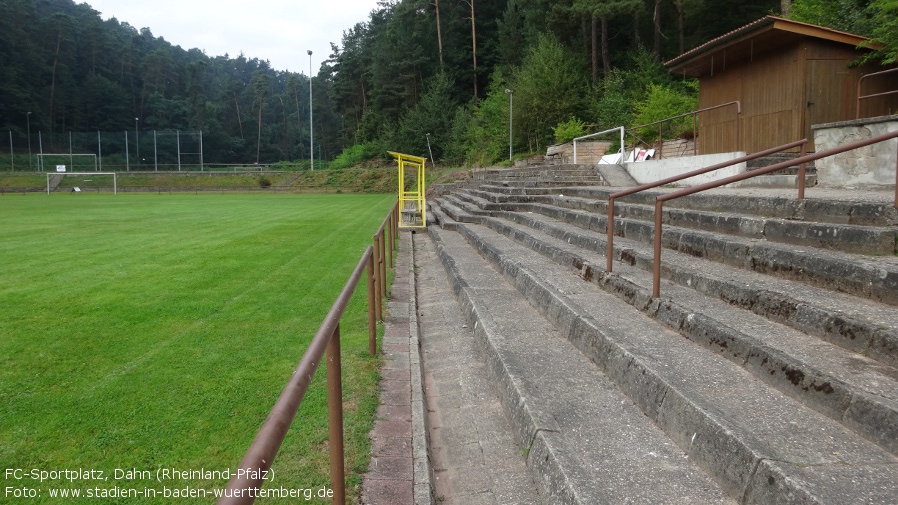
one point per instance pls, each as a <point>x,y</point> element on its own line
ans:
<point>390,479</point>
<point>387,492</point>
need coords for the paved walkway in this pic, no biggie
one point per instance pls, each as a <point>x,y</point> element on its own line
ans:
<point>399,472</point>
<point>445,397</point>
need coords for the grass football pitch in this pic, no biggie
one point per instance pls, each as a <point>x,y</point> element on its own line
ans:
<point>144,338</point>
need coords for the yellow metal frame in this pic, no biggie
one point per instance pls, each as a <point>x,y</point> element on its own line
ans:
<point>412,204</point>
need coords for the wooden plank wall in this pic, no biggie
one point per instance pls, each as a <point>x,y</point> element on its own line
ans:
<point>770,88</point>
<point>784,93</point>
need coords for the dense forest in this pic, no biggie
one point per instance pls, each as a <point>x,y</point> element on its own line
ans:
<point>415,71</point>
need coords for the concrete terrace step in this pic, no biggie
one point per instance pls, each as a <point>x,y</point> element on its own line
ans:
<point>473,450</point>
<point>556,399</point>
<point>773,159</point>
<point>858,325</point>
<point>882,240</point>
<point>846,386</point>
<point>758,203</point>
<point>875,278</point>
<point>758,444</point>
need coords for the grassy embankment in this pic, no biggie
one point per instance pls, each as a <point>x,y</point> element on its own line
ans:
<point>374,179</point>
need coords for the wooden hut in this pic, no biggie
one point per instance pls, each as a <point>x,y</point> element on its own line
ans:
<point>786,76</point>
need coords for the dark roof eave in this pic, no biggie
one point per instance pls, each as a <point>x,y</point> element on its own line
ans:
<point>752,29</point>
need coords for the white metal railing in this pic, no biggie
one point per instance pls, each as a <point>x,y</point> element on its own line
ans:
<point>621,128</point>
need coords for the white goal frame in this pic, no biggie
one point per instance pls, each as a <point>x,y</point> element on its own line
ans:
<point>70,156</point>
<point>113,174</point>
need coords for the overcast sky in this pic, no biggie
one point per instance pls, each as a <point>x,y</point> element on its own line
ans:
<point>280,31</point>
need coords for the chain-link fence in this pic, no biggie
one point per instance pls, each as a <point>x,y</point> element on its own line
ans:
<point>111,151</point>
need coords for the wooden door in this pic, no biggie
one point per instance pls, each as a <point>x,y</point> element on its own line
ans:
<point>827,95</point>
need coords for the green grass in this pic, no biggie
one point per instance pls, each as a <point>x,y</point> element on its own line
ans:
<point>156,331</point>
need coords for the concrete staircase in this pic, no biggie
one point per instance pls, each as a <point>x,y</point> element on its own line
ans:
<point>766,373</point>
<point>785,178</point>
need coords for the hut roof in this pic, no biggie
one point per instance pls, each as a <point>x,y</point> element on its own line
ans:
<point>765,34</point>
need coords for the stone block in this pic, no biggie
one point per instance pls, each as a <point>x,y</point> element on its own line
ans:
<point>872,165</point>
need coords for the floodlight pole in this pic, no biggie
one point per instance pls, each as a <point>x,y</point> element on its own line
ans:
<point>137,142</point>
<point>28,121</point>
<point>510,117</point>
<point>311,135</point>
<point>127,154</point>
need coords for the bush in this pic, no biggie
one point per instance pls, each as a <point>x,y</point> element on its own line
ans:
<point>614,106</point>
<point>264,182</point>
<point>663,102</point>
<point>569,130</point>
<point>356,154</point>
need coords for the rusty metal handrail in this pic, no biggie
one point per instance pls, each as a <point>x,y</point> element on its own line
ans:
<point>244,485</point>
<point>659,200</point>
<point>609,251</point>
<point>860,97</point>
<point>389,226</point>
<point>694,113</point>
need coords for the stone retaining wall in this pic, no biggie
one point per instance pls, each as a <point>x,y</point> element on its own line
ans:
<point>866,167</point>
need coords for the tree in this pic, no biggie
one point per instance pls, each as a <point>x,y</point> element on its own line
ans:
<point>62,29</point>
<point>260,84</point>
<point>511,35</point>
<point>656,18</point>
<point>603,11</point>
<point>428,117</point>
<point>547,91</point>
<point>470,3</point>
<point>786,7</point>
<point>681,39</point>
<point>484,132</point>
<point>884,14</point>
<point>847,15</point>
<point>436,8</point>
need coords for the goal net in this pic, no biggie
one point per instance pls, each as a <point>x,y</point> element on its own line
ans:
<point>67,162</point>
<point>82,182</point>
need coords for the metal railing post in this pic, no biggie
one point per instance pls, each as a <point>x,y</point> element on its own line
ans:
<point>737,103</point>
<point>388,232</point>
<point>802,171</point>
<point>656,282</point>
<point>694,135</point>
<point>656,264</point>
<point>623,148</point>
<point>378,292</point>
<point>609,251</point>
<point>861,97</point>
<point>335,418</point>
<point>395,221</point>
<point>383,264</point>
<point>738,129</point>
<point>325,345</point>
<point>372,311</point>
<point>675,178</point>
